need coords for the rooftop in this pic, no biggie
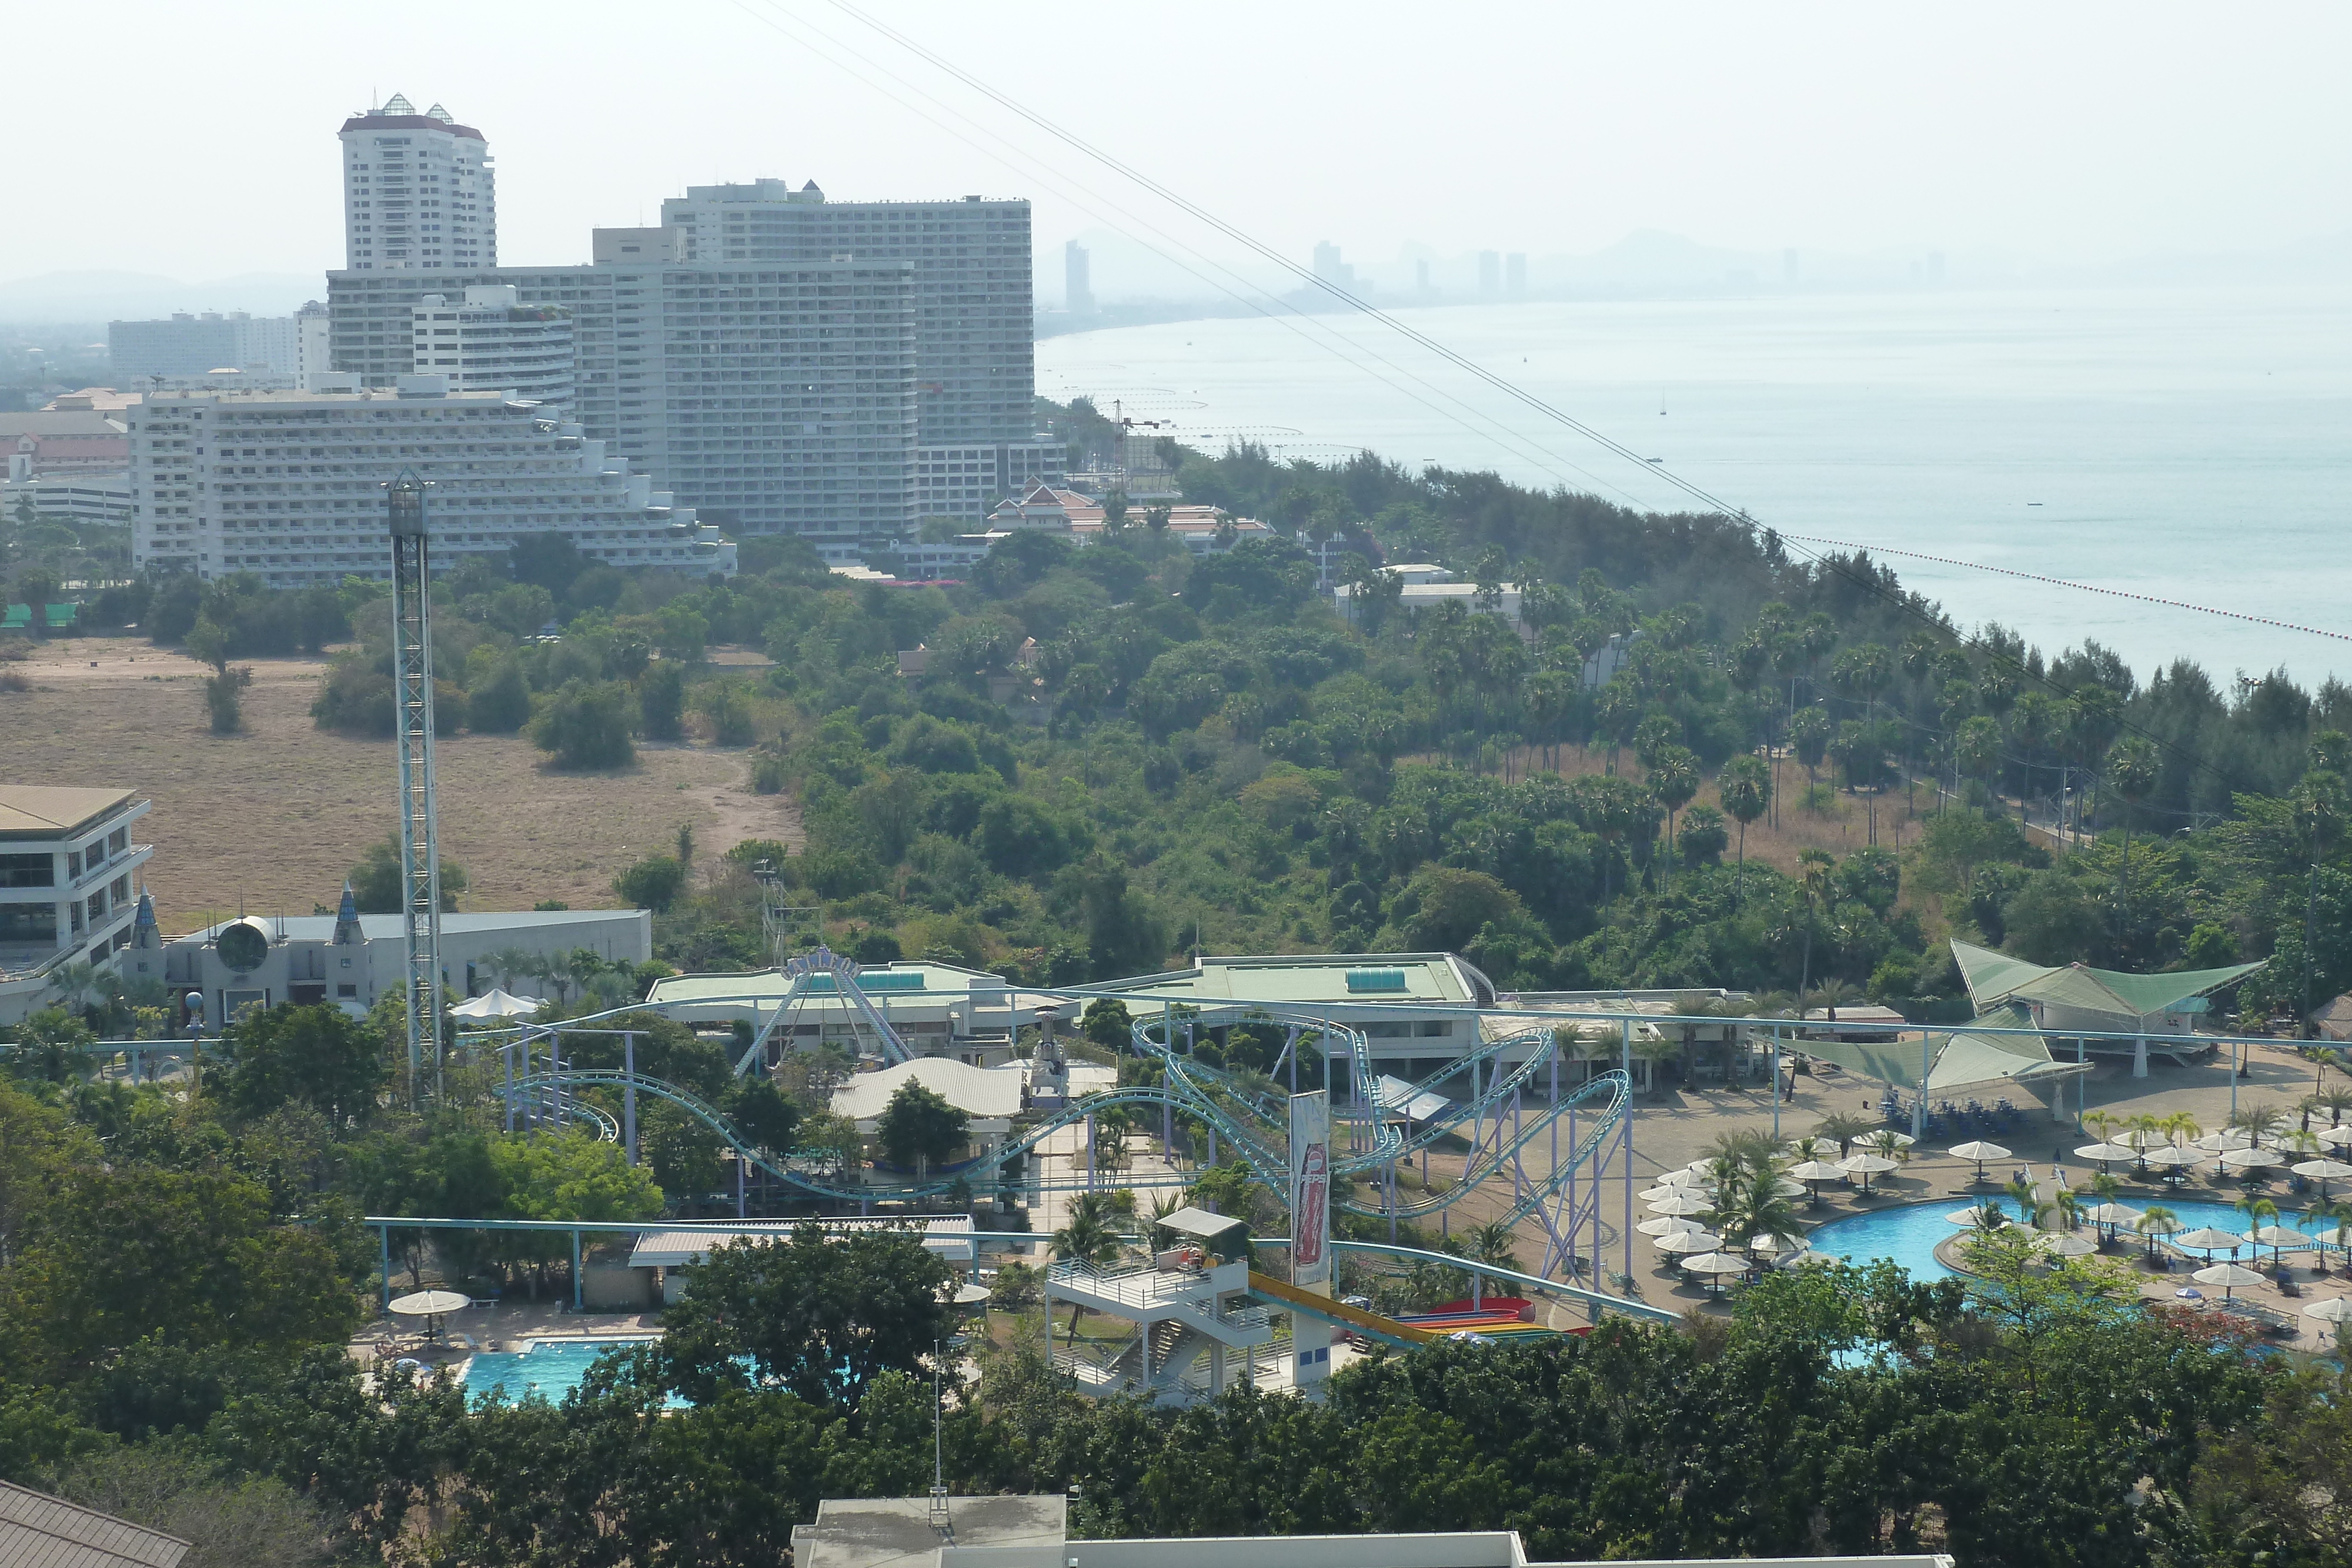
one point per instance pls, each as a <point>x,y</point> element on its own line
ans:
<point>975,1091</point>
<point>932,983</point>
<point>48,811</point>
<point>1439,979</point>
<point>388,927</point>
<point>38,1531</point>
<point>947,1234</point>
<point>1994,977</point>
<point>887,1532</point>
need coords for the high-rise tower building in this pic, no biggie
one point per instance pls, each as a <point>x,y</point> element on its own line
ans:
<point>419,193</point>
<point>489,340</point>
<point>1077,281</point>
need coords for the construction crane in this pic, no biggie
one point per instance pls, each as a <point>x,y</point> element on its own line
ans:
<point>420,855</point>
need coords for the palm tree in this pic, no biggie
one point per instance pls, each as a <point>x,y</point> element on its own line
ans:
<point>2155,1223</point>
<point>1813,884</point>
<point>1650,1051</point>
<point>2132,768</point>
<point>2336,1099</point>
<point>2339,1211</point>
<point>2029,1209</point>
<point>1845,1127</point>
<point>1745,788</point>
<point>1494,1244</point>
<point>2068,1206</point>
<point>2098,1122</point>
<point>1086,1236</point>
<point>1888,1143</point>
<point>2258,1122</point>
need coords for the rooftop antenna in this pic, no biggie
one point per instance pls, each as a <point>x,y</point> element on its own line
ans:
<point>940,1520</point>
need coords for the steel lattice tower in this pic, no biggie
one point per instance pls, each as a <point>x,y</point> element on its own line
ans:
<point>420,855</point>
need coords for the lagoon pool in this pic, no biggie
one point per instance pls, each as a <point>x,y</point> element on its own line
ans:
<point>550,1368</point>
<point>1908,1235</point>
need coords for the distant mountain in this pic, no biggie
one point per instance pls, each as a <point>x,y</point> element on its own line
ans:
<point>100,296</point>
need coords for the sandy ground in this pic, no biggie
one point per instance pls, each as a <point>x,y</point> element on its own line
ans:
<point>273,817</point>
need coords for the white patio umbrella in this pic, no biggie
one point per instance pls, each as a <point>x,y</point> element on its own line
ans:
<point>2336,1310</point>
<point>1688,1241</point>
<point>2281,1240</point>
<point>1660,1194</point>
<point>1716,1264</point>
<point>1886,1138</point>
<point>2144,1140</point>
<point>2250,1159</point>
<point>1865,1166</point>
<point>2104,1154</point>
<point>2207,1239</point>
<point>1978,1152</point>
<point>1667,1225</point>
<point>2340,1136</point>
<point>2065,1243</point>
<point>498,1003</point>
<point>2322,1171</point>
<point>1969,1217</point>
<point>2229,1276</point>
<point>1774,1246</point>
<point>2170,1158</point>
<point>2227,1138</point>
<point>1784,1188</point>
<point>1688,1203</point>
<point>1814,1171</point>
<point>428,1305</point>
<point>2113,1215</point>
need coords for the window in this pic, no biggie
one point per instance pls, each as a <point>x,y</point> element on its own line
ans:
<point>28,871</point>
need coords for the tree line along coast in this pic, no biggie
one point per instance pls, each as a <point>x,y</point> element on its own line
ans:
<point>1120,753</point>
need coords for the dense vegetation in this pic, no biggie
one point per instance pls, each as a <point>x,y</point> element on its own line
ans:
<point>172,1316</point>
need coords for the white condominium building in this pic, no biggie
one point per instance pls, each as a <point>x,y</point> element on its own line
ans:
<point>289,484</point>
<point>68,884</point>
<point>487,340</point>
<point>419,193</point>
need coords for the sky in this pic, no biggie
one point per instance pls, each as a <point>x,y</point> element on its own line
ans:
<point>2080,134</point>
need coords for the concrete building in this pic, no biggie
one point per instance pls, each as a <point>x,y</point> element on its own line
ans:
<point>937,1009</point>
<point>486,339</point>
<point>1006,1531</point>
<point>772,399</point>
<point>72,495</point>
<point>351,959</point>
<point>313,350</point>
<point>288,485</point>
<point>69,875</point>
<point>973,303</point>
<point>187,344</point>
<point>419,193</point>
<point>967,482</point>
<point>1490,274</point>
<point>1077,279</point>
<point>1418,1011</point>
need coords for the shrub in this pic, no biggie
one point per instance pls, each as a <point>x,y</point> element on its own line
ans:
<point>653,882</point>
<point>501,704</point>
<point>585,725</point>
<point>221,700</point>
<point>767,774</point>
<point>661,701</point>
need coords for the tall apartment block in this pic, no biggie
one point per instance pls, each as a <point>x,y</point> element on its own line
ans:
<point>486,339</point>
<point>196,344</point>
<point>419,193</point>
<point>772,398</point>
<point>290,484</point>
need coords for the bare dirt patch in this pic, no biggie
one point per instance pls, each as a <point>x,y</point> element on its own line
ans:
<point>276,815</point>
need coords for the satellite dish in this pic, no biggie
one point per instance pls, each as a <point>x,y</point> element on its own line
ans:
<point>243,947</point>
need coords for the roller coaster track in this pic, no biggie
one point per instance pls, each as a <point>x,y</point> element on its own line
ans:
<point>1250,1121</point>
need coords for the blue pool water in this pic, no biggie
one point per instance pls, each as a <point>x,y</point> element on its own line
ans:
<point>550,1368</point>
<point>1908,1235</point>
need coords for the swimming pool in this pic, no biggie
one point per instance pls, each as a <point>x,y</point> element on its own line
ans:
<point>1908,1235</point>
<point>550,1368</point>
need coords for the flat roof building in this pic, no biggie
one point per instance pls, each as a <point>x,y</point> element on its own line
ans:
<point>937,1009</point>
<point>486,340</point>
<point>69,884</point>
<point>353,959</point>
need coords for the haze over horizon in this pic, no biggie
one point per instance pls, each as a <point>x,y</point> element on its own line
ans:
<point>2124,132</point>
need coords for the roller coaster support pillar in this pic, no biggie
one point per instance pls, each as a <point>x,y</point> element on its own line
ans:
<point>629,1096</point>
<point>739,1164</point>
<point>578,1296</point>
<point>1629,1174</point>
<point>1212,1144</point>
<point>1166,1117</point>
<point>1776,1085</point>
<point>1927,1061</point>
<point>1090,1151</point>
<point>383,1242</point>
<point>506,1055</point>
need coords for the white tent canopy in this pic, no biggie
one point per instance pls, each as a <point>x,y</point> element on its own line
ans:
<point>498,1003</point>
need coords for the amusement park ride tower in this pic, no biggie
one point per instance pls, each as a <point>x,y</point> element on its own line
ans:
<point>420,857</point>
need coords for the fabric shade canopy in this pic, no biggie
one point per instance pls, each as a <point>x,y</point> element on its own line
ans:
<point>498,1004</point>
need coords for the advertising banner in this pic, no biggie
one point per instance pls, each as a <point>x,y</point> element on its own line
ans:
<point>1310,1191</point>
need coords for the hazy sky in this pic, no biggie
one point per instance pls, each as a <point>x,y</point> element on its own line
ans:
<point>199,141</point>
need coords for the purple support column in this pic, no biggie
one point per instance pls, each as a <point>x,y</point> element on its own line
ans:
<point>739,1164</point>
<point>506,1055</point>
<point>629,1095</point>
<point>1629,1166</point>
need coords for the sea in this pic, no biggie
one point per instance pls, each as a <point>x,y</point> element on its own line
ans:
<point>2192,446</point>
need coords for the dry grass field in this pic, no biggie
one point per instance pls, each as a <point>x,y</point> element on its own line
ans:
<point>276,816</point>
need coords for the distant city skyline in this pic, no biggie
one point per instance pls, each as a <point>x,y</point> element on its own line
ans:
<point>2122,132</point>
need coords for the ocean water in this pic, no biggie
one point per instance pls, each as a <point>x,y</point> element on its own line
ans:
<point>2190,444</point>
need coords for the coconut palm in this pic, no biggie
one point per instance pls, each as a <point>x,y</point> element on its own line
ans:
<point>1494,1244</point>
<point>1649,1051</point>
<point>1086,1236</point>
<point>2181,1128</point>
<point>2029,1209</point>
<point>2260,1122</point>
<point>2068,1206</point>
<point>2154,1225</point>
<point>2336,1099</point>
<point>2098,1122</point>
<point>1888,1143</point>
<point>1845,1127</point>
